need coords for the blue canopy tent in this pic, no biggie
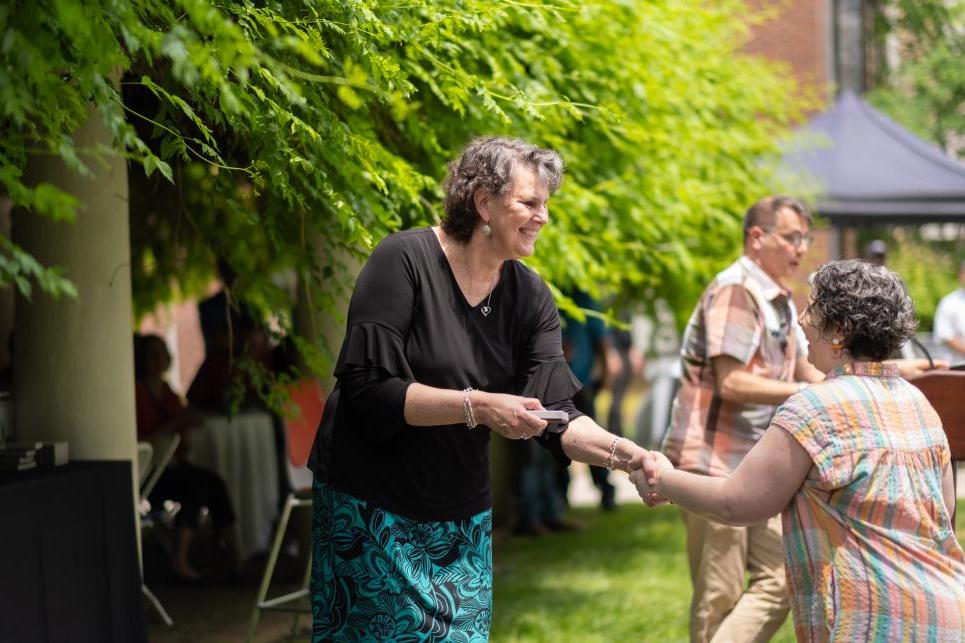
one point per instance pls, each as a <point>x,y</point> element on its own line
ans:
<point>872,171</point>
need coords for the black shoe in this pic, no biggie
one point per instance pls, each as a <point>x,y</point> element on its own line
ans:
<point>191,581</point>
<point>564,524</point>
<point>533,528</point>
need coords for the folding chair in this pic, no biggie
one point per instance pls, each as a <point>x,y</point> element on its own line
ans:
<point>145,454</point>
<point>299,436</point>
<point>152,459</point>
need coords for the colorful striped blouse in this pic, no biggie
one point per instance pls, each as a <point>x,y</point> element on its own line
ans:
<point>870,548</point>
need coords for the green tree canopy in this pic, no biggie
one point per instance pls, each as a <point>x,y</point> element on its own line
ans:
<point>922,84</point>
<point>259,129</point>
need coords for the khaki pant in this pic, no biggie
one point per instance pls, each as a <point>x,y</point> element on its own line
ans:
<point>722,609</point>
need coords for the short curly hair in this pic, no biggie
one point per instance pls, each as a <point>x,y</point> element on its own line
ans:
<point>865,305</point>
<point>488,163</point>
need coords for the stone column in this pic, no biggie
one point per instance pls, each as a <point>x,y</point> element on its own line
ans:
<point>325,329</point>
<point>6,294</point>
<point>73,359</point>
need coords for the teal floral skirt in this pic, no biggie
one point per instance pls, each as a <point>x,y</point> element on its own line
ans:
<point>378,576</point>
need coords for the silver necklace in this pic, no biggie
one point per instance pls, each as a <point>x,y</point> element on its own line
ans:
<point>485,310</point>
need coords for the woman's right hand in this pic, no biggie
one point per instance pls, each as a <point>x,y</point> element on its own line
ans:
<point>508,415</point>
<point>645,471</point>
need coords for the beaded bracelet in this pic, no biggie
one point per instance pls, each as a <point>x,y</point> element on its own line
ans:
<point>467,413</point>
<point>613,449</point>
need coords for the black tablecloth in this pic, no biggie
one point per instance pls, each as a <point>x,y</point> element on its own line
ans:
<point>68,556</point>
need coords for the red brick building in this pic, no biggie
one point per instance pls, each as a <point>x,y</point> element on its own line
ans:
<point>799,33</point>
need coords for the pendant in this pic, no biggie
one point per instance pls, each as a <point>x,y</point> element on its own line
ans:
<point>485,310</point>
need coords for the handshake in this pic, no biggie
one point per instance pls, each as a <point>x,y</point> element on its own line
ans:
<point>646,469</point>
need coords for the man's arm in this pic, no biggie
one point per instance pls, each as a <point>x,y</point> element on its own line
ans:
<point>956,343</point>
<point>732,320</point>
<point>916,365</point>
<point>944,326</point>
<point>735,384</point>
<point>805,371</point>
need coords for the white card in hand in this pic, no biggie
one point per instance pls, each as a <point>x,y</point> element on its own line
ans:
<point>557,419</point>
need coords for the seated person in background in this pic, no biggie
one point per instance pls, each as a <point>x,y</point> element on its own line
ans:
<point>234,341</point>
<point>950,322</point>
<point>859,466</point>
<point>160,410</point>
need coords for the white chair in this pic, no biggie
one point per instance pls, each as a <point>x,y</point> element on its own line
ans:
<point>299,435</point>
<point>145,453</point>
<point>152,459</point>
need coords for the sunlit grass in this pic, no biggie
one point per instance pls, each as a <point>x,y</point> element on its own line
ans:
<point>623,577</point>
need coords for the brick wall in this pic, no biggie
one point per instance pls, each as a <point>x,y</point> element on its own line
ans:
<point>796,32</point>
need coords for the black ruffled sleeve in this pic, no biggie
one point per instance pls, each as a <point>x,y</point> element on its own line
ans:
<point>544,371</point>
<point>372,367</point>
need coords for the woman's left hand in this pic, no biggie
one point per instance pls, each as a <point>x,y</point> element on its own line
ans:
<point>508,415</point>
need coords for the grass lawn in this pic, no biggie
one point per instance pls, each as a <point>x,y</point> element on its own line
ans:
<point>622,578</point>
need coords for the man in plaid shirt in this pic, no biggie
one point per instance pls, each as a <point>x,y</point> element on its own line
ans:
<point>743,354</point>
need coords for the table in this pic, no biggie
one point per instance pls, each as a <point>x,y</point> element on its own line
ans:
<point>241,449</point>
<point>68,555</point>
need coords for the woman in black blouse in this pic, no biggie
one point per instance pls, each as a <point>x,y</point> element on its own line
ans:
<point>449,337</point>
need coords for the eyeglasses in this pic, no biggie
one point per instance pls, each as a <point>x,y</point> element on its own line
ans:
<point>795,239</point>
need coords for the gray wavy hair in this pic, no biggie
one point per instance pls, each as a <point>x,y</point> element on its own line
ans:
<point>865,305</point>
<point>488,163</point>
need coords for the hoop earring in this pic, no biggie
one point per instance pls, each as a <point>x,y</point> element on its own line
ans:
<point>486,230</point>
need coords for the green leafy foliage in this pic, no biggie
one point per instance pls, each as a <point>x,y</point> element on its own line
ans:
<point>925,88</point>
<point>930,271</point>
<point>928,266</point>
<point>289,136</point>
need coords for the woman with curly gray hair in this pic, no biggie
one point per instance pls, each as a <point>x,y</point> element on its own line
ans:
<point>449,338</point>
<point>860,467</point>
